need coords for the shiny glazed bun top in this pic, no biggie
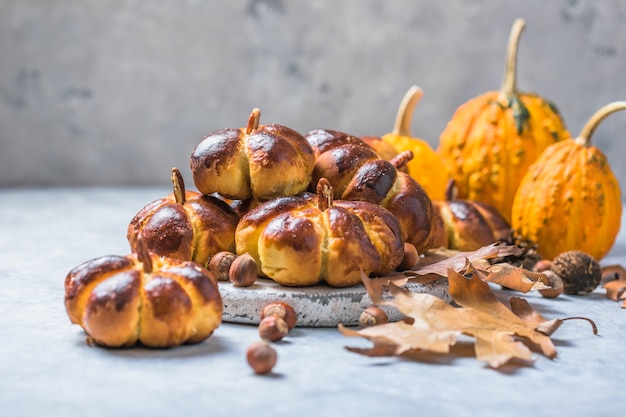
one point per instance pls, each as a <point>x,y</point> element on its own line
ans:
<point>306,239</point>
<point>258,161</point>
<point>357,172</point>
<point>143,298</point>
<point>185,225</point>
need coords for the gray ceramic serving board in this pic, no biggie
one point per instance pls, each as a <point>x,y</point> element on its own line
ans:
<point>316,306</point>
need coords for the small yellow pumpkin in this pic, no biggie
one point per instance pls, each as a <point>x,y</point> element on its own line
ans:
<point>570,199</point>
<point>426,167</point>
<point>492,139</point>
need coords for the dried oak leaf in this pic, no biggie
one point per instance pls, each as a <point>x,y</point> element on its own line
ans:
<point>438,262</point>
<point>500,334</point>
<point>614,278</point>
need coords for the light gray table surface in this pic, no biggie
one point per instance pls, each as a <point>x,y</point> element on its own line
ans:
<point>46,368</point>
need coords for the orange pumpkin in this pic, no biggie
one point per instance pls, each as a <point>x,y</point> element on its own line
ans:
<point>570,199</point>
<point>492,139</point>
<point>426,167</point>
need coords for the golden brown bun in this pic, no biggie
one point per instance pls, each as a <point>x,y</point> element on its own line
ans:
<point>190,228</point>
<point>357,172</point>
<point>119,303</point>
<point>470,225</point>
<point>383,148</point>
<point>260,161</point>
<point>302,240</point>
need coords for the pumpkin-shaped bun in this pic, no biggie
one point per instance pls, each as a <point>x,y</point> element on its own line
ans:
<point>570,198</point>
<point>185,225</point>
<point>258,161</point>
<point>492,139</point>
<point>470,225</point>
<point>303,240</point>
<point>356,172</point>
<point>143,298</point>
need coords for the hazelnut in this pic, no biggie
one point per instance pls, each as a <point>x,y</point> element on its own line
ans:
<point>273,328</point>
<point>556,285</point>
<point>372,316</point>
<point>542,265</point>
<point>410,258</point>
<point>282,310</point>
<point>580,272</point>
<point>220,263</point>
<point>261,357</point>
<point>243,271</point>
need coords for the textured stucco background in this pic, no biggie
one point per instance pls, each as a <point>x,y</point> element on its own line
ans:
<point>118,92</point>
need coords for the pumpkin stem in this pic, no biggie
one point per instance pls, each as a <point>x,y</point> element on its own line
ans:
<point>179,186</point>
<point>325,194</point>
<point>509,84</point>
<point>402,126</point>
<point>400,160</point>
<point>585,134</point>
<point>253,120</point>
<point>451,190</point>
<point>143,254</point>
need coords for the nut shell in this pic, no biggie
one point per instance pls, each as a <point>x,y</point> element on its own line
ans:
<point>220,264</point>
<point>273,328</point>
<point>243,271</point>
<point>261,357</point>
<point>283,310</point>
<point>373,316</point>
<point>579,271</point>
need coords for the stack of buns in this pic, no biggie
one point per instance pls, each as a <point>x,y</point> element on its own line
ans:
<point>321,207</point>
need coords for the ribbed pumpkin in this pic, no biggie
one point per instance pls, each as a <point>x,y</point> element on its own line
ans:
<point>492,139</point>
<point>426,167</point>
<point>570,199</point>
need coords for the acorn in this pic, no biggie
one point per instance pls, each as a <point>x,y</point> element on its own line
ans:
<point>579,271</point>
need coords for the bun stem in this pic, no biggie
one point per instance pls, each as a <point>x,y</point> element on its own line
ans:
<point>179,186</point>
<point>324,194</point>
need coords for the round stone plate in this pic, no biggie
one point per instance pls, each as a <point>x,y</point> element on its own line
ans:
<point>316,306</point>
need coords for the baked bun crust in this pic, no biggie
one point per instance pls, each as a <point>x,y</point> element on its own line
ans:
<point>311,238</point>
<point>357,172</point>
<point>258,161</point>
<point>185,225</point>
<point>159,302</point>
<point>470,225</point>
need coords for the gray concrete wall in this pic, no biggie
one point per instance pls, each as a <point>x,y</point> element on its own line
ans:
<point>118,92</point>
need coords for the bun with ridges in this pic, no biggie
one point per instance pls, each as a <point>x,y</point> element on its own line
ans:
<point>259,161</point>
<point>185,225</point>
<point>143,298</point>
<point>469,225</point>
<point>357,172</point>
<point>311,238</point>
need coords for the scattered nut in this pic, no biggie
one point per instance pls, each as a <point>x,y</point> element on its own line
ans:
<point>580,272</point>
<point>410,259</point>
<point>273,328</point>
<point>282,310</point>
<point>372,316</point>
<point>261,357</point>
<point>243,271</point>
<point>556,285</point>
<point>220,263</point>
<point>542,265</point>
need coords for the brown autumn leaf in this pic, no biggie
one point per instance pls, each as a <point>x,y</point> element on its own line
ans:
<point>438,262</point>
<point>499,333</point>
<point>614,278</point>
